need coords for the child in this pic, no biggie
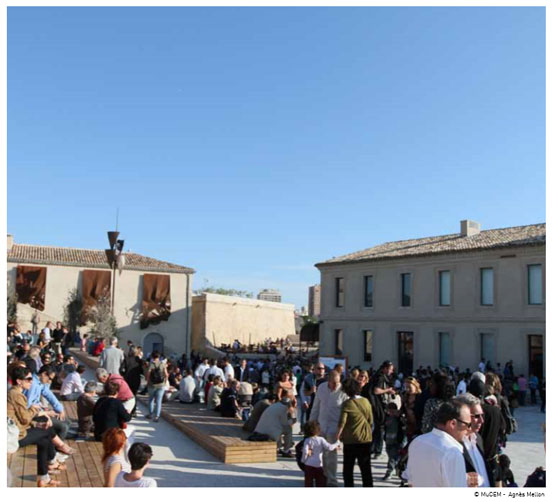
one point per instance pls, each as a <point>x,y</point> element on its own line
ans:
<point>85,407</point>
<point>313,450</point>
<point>139,456</point>
<point>393,438</point>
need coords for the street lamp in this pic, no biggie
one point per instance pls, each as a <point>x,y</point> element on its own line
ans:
<point>114,255</point>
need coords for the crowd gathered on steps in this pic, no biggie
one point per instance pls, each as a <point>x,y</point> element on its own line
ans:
<point>457,420</point>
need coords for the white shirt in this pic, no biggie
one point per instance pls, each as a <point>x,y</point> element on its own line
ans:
<point>228,372</point>
<point>327,408</point>
<point>121,482</point>
<point>72,383</point>
<point>214,370</point>
<point>187,389</point>
<point>461,388</point>
<point>317,444</point>
<point>199,372</point>
<point>46,332</point>
<point>436,460</point>
<point>477,460</point>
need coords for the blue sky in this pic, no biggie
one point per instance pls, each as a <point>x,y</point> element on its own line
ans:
<point>252,143</point>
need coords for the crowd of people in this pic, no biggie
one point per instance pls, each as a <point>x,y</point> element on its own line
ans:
<point>459,420</point>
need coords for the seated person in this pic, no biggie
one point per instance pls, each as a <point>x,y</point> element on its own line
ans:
<point>72,386</point>
<point>187,388</point>
<point>229,407</point>
<point>256,413</point>
<point>139,458</point>
<point>114,459</point>
<point>125,395</point>
<point>214,400</point>
<point>85,407</point>
<point>109,412</point>
<point>245,393</point>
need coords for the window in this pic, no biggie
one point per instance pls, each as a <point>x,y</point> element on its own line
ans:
<point>368,291</point>
<point>486,286</point>
<point>339,292</point>
<point>487,349</point>
<point>535,292</point>
<point>445,288</point>
<point>444,349</point>
<point>405,290</point>
<point>367,344</point>
<point>338,342</point>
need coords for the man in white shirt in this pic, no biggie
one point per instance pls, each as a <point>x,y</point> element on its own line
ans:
<point>436,458</point>
<point>187,388</point>
<point>48,331</point>
<point>326,410</point>
<point>214,370</point>
<point>229,373</point>
<point>461,387</point>
<point>72,386</point>
<point>139,457</point>
<point>477,474</point>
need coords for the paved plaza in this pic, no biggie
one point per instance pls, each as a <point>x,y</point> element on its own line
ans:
<point>179,462</point>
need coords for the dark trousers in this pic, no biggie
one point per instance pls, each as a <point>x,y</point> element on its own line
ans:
<point>392,456</point>
<point>361,453</point>
<point>314,475</point>
<point>45,448</point>
<point>377,439</point>
<point>60,427</point>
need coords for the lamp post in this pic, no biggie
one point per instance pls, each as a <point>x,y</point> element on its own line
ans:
<point>114,255</point>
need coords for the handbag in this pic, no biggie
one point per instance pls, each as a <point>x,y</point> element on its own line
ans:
<point>13,436</point>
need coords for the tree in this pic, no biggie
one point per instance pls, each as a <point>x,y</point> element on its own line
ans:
<point>73,310</point>
<point>103,321</point>
<point>223,291</point>
<point>12,306</point>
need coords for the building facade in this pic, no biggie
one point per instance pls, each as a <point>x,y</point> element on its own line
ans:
<point>269,295</point>
<point>222,319</point>
<point>447,300</point>
<point>152,298</point>
<point>314,300</point>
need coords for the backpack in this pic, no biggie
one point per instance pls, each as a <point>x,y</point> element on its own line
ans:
<point>299,454</point>
<point>157,375</point>
<point>511,425</point>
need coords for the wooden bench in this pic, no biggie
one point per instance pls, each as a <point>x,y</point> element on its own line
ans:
<point>84,467</point>
<point>222,437</point>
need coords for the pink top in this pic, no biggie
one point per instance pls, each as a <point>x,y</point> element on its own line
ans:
<point>522,383</point>
<point>124,393</point>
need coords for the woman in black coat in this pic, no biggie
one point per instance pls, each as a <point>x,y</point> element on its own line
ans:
<point>109,412</point>
<point>134,370</point>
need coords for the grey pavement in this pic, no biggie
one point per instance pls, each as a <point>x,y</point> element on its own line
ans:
<point>179,462</point>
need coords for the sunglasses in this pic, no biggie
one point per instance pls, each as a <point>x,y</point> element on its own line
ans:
<point>477,415</point>
<point>468,424</point>
<point>29,379</point>
<point>320,369</point>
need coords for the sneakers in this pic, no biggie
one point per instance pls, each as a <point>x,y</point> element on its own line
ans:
<point>156,419</point>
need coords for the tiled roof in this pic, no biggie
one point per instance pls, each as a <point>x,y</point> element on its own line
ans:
<point>528,235</point>
<point>50,255</point>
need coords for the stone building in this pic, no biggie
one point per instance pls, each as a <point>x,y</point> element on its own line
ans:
<point>152,298</point>
<point>314,300</point>
<point>446,300</point>
<point>269,295</point>
<point>221,319</point>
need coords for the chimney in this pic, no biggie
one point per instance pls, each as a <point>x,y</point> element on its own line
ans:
<point>10,242</point>
<point>469,227</point>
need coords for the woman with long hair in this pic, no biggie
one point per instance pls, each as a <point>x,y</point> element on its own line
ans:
<point>412,389</point>
<point>114,458</point>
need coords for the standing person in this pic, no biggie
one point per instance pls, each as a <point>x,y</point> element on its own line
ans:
<point>67,341</point>
<point>134,372</point>
<point>313,449</point>
<point>412,390</point>
<point>114,459</point>
<point>156,379</point>
<point>125,395</point>
<point>533,384</point>
<point>382,388</point>
<point>57,338</point>
<point>522,387</point>
<point>326,410</point>
<point>355,430</point>
<point>441,391</point>
<point>436,458</point>
<point>284,387</point>
<point>139,458</point>
<point>47,330</point>
<point>242,371</point>
<point>229,374</point>
<point>476,469</point>
<point>394,437</point>
<point>112,358</point>
<point>35,321</point>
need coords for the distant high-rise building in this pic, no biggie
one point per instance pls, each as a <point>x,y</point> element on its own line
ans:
<point>314,300</point>
<point>270,295</point>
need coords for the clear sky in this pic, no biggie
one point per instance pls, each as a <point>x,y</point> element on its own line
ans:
<point>252,143</point>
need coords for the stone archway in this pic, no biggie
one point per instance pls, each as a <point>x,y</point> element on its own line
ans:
<point>153,341</point>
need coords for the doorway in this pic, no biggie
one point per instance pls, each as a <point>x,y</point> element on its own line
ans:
<point>405,343</point>
<point>535,356</point>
